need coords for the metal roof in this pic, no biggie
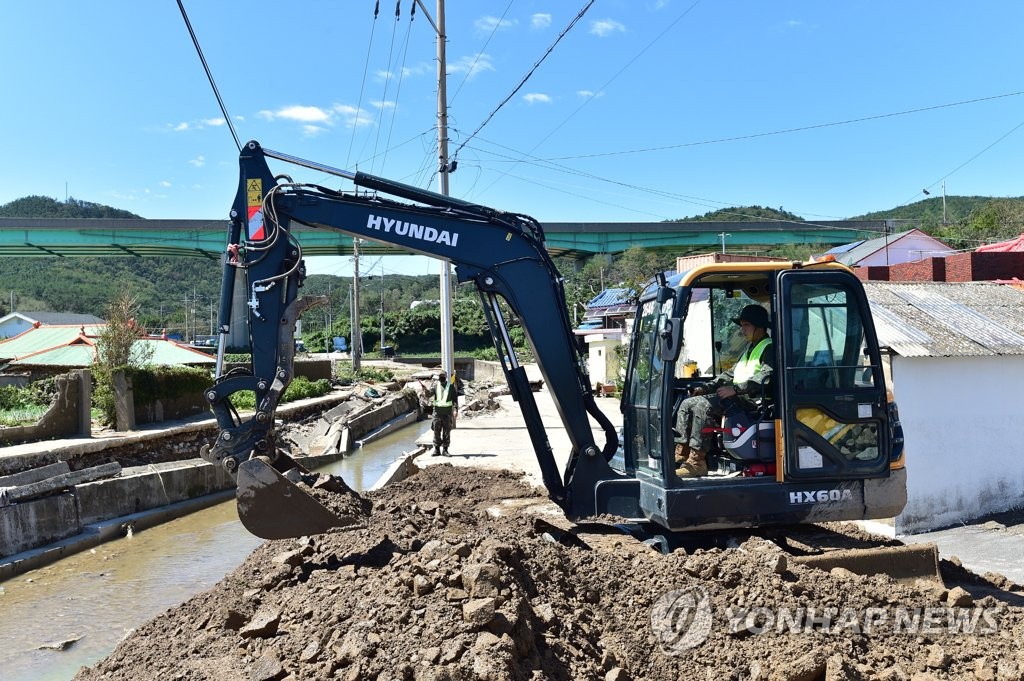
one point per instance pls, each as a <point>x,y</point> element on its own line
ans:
<point>609,296</point>
<point>946,319</point>
<point>44,337</point>
<point>55,317</point>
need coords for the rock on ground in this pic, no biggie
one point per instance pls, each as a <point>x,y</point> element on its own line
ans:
<point>435,588</point>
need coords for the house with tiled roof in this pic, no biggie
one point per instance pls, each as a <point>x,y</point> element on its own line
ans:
<point>47,350</point>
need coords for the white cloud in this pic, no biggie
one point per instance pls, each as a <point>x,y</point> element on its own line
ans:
<point>198,161</point>
<point>472,66</point>
<point>303,114</point>
<point>165,183</point>
<point>312,130</point>
<point>421,69</point>
<point>587,94</point>
<point>487,24</point>
<point>180,127</point>
<point>214,122</point>
<point>540,20</point>
<point>384,104</point>
<point>383,74</point>
<point>603,28</point>
<point>534,97</point>
<point>353,117</point>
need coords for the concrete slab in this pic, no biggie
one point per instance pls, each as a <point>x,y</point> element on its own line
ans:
<point>989,545</point>
<point>499,440</point>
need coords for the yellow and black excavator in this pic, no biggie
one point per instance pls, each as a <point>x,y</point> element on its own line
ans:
<point>826,446</point>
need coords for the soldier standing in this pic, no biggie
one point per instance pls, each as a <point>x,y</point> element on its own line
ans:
<point>446,405</point>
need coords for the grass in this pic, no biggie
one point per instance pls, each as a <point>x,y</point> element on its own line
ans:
<point>21,416</point>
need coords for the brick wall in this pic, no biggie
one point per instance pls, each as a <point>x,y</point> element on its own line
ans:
<point>984,266</point>
<point>929,269</point>
<point>959,267</point>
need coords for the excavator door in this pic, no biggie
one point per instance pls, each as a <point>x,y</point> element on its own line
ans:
<point>832,392</point>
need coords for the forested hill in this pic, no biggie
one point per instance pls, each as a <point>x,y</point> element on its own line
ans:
<point>167,289</point>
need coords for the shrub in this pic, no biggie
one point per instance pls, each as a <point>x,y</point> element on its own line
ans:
<point>299,389</point>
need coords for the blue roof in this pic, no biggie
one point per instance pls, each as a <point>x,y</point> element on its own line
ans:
<point>609,296</point>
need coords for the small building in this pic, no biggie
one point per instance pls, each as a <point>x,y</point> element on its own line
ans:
<point>602,329</point>
<point>891,249</point>
<point>16,322</point>
<point>49,350</point>
<point>955,356</point>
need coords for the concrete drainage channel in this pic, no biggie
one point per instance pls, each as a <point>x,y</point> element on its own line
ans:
<point>49,512</point>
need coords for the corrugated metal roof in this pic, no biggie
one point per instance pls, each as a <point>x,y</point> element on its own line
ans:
<point>940,319</point>
<point>80,355</point>
<point>65,356</point>
<point>44,337</point>
<point>609,296</point>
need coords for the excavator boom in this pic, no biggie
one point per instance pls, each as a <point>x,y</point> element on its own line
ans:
<point>503,254</point>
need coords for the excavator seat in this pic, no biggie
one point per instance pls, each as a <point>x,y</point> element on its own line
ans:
<point>747,437</point>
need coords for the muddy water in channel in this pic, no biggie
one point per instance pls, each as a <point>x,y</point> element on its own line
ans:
<point>98,595</point>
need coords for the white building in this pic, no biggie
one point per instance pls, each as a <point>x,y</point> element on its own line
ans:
<point>956,364</point>
<point>16,322</point>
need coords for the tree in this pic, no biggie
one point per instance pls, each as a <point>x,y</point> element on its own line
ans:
<point>635,268</point>
<point>118,347</point>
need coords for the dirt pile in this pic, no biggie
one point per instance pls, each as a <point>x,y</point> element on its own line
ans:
<point>437,588</point>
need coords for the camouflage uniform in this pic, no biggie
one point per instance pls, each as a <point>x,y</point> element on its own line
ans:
<point>697,412</point>
<point>445,404</point>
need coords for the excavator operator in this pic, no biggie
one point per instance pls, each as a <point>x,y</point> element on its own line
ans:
<point>745,382</point>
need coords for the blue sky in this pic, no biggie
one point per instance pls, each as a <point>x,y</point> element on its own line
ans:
<point>645,110</point>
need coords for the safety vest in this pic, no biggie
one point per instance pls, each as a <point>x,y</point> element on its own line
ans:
<point>443,395</point>
<point>750,362</point>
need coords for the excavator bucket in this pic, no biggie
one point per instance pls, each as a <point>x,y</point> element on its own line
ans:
<point>902,563</point>
<point>271,506</point>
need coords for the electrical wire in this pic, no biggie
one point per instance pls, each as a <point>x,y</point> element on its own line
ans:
<point>454,157</point>
<point>972,158</point>
<point>209,76</point>
<point>362,85</point>
<point>787,131</point>
<point>387,80</point>
<point>398,90</point>
<point>480,52</point>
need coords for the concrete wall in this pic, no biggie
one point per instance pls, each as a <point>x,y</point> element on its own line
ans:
<point>965,454</point>
<point>66,417</point>
<point>37,522</point>
<point>145,487</point>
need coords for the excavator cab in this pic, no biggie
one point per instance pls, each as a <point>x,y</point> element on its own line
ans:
<point>821,443</point>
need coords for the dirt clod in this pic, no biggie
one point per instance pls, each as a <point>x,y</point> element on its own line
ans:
<point>485,596</point>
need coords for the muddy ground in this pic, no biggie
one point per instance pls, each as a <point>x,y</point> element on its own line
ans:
<point>436,587</point>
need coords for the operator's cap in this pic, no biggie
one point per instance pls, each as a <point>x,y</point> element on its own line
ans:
<point>755,314</point>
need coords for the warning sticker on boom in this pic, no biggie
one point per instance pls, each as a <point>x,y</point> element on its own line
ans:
<point>254,195</point>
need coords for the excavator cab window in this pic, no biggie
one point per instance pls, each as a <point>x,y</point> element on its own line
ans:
<point>835,408</point>
<point>646,385</point>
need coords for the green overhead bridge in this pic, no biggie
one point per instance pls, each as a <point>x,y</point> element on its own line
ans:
<point>79,237</point>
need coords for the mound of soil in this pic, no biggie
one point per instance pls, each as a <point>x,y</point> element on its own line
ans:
<point>435,587</point>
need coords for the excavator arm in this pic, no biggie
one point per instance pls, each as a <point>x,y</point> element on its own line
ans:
<point>503,254</point>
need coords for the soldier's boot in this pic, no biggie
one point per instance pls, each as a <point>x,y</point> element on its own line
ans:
<point>437,450</point>
<point>682,452</point>
<point>695,466</point>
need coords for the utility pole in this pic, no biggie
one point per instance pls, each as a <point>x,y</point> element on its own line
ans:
<point>382,305</point>
<point>356,343</point>
<point>444,168</point>
<point>722,236</point>
<point>943,202</point>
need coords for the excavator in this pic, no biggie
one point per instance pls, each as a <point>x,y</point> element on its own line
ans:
<point>827,446</point>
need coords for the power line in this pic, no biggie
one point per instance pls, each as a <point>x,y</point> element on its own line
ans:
<point>362,85</point>
<point>480,52</point>
<point>786,131</point>
<point>522,82</point>
<point>1000,139</point>
<point>209,76</point>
